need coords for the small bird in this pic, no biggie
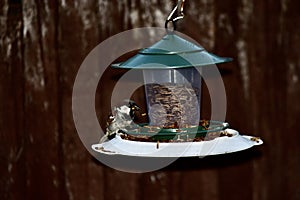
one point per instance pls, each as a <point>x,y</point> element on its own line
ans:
<point>121,118</point>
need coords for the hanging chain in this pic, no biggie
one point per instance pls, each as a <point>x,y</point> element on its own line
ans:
<point>175,16</point>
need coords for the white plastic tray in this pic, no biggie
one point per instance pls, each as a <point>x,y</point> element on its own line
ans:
<point>220,145</point>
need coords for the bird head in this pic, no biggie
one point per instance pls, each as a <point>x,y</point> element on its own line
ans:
<point>133,108</point>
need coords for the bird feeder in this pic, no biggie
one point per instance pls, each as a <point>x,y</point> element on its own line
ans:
<point>172,83</point>
<point>173,93</point>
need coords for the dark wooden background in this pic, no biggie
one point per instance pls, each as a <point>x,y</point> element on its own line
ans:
<point>43,43</point>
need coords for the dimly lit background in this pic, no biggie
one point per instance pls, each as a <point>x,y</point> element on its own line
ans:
<point>43,43</point>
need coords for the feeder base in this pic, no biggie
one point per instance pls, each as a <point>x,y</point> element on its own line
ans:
<point>218,146</point>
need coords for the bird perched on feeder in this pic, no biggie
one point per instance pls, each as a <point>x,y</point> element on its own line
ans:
<point>121,118</point>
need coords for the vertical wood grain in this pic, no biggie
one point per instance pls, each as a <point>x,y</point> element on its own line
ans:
<point>12,146</point>
<point>43,43</point>
<point>78,35</point>
<point>233,21</point>
<point>289,41</point>
<point>269,100</point>
<point>43,166</point>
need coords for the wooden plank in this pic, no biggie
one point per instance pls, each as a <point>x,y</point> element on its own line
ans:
<point>289,44</point>
<point>258,95</point>
<point>269,91</point>
<point>232,23</point>
<point>12,170</point>
<point>78,35</point>
<point>43,170</point>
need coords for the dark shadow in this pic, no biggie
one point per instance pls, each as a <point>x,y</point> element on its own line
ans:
<point>215,162</point>
<point>127,163</point>
<point>225,72</point>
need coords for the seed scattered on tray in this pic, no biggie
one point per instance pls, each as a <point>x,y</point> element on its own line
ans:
<point>255,139</point>
<point>183,137</point>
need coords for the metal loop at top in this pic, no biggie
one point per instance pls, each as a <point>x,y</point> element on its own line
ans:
<point>173,16</point>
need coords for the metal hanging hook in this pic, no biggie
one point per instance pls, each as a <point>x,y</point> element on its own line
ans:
<point>173,16</point>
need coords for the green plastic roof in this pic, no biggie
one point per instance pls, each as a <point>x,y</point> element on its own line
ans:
<point>171,52</point>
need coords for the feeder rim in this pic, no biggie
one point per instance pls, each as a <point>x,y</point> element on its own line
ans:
<point>164,52</point>
<point>164,67</point>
